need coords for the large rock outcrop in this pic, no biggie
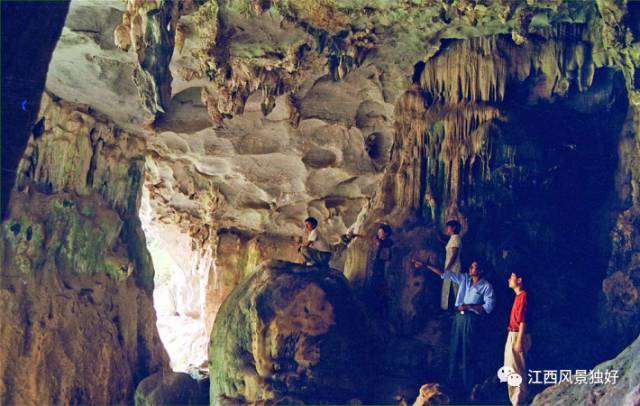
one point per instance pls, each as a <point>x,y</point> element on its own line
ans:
<point>620,384</point>
<point>78,324</point>
<point>289,333</point>
<point>25,64</point>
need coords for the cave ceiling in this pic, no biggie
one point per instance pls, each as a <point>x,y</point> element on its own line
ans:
<point>274,110</point>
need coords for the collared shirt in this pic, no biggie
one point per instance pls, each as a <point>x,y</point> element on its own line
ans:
<point>317,241</point>
<point>469,293</point>
<point>518,311</point>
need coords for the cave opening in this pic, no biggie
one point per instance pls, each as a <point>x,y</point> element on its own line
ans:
<point>178,294</point>
<point>549,208</point>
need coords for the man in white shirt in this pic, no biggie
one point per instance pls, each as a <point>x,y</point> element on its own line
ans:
<point>315,250</point>
<point>451,262</point>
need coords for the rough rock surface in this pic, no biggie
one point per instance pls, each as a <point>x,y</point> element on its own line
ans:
<point>172,388</point>
<point>281,110</point>
<point>625,390</point>
<point>77,318</point>
<point>289,333</point>
<point>24,65</point>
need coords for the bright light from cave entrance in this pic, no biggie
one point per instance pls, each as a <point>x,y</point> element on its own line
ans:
<point>177,294</point>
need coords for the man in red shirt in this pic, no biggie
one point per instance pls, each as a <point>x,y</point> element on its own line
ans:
<point>518,340</point>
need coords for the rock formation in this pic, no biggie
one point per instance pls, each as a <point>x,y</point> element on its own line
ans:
<point>171,388</point>
<point>624,389</point>
<point>217,126</point>
<point>78,324</point>
<point>21,98</point>
<point>291,334</point>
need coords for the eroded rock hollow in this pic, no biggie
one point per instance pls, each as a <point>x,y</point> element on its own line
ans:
<point>156,183</point>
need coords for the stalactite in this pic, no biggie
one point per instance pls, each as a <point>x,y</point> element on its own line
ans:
<point>464,129</point>
<point>410,115</point>
<point>447,120</point>
<point>227,97</point>
<point>470,70</point>
<point>233,77</point>
<point>150,26</point>
<point>479,69</point>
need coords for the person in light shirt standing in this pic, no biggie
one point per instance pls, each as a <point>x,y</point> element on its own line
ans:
<point>315,251</point>
<point>452,261</point>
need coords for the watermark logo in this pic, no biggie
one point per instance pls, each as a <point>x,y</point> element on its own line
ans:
<point>577,377</point>
<point>551,377</point>
<point>508,375</point>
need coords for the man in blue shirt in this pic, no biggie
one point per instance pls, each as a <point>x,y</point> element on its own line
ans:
<point>475,298</point>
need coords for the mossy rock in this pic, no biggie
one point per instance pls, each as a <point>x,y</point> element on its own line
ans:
<point>77,236</point>
<point>290,333</point>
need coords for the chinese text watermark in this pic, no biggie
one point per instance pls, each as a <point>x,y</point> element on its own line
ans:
<point>554,376</point>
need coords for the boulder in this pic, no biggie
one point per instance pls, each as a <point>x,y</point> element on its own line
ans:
<point>289,333</point>
<point>172,388</point>
<point>623,390</point>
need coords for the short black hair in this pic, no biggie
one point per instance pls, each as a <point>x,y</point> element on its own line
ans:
<point>455,224</point>
<point>521,273</point>
<point>312,221</point>
<point>481,266</point>
<point>386,228</point>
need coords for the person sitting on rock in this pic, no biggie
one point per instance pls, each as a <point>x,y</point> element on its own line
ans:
<point>315,251</point>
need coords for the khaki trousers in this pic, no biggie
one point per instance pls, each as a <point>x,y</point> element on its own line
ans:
<point>516,360</point>
<point>447,285</point>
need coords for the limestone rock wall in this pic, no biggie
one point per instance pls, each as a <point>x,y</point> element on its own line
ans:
<point>238,255</point>
<point>241,193</point>
<point>621,288</point>
<point>623,389</point>
<point>77,319</point>
<point>23,56</point>
<point>462,151</point>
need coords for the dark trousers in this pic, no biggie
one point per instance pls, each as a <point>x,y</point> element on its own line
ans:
<point>377,291</point>
<point>315,257</point>
<point>463,350</point>
<point>377,299</point>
